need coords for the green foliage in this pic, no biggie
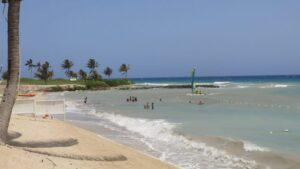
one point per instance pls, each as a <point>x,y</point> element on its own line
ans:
<point>108,71</point>
<point>56,89</point>
<point>92,64</point>
<point>94,75</point>
<point>82,74</point>
<point>27,81</point>
<point>44,73</point>
<point>72,74</point>
<point>124,69</point>
<point>67,65</point>
<point>93,84</point>
<point>118,82</point>
<point>79,88</point>
<point>30,65</point>
<point>5,75</point>
<point>38,65</point>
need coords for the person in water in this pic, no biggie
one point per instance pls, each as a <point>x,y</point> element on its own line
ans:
<point>85,100</point>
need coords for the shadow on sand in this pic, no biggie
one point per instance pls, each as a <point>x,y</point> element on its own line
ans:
<point>31,146</point>
<point>45,144</point>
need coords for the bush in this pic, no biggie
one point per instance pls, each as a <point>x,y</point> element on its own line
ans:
<point>79,88</point>
<point>118,82</point>
<point>56,89</point>
<point>93,84</point>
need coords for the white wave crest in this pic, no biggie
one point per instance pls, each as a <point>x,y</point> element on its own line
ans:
<point>280,86</point>
<point>274,86</point>
<point>159,136</point>
<point>250,147</point>
<point>242,87</point>
<point>153,84</point>
<point>221,83</point>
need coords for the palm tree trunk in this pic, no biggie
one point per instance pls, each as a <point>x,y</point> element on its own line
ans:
<point>10,91</point>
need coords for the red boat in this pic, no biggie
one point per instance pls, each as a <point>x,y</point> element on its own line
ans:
<point>27,94</point>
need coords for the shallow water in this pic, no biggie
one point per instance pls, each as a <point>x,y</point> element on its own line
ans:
<point>240,125</point>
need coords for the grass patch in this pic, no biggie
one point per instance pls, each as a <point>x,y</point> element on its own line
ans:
<point>28,81</point>
<point>92,84</point>
<point>118,82</point>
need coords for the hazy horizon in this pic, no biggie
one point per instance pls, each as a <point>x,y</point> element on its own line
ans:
<point>162,38</point>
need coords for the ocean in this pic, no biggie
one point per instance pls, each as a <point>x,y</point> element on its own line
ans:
<point>249,122</point>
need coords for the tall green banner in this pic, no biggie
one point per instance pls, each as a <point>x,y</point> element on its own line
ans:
<point>193,80</point>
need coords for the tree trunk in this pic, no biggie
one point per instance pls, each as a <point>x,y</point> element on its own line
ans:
<point>10,91</point>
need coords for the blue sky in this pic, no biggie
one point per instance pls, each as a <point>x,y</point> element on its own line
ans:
<point>163,37</point>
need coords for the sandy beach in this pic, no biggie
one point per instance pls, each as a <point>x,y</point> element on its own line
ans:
<point>49,143</point>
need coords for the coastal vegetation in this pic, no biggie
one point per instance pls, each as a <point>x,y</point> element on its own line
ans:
<point>82,75</point>
<point>30,65</point>
<point>67,65</point>
<point>80,80</point>
<point>108,71</point>
<point>44,73</point>
<point>92,65</point>
<point>124,69</point>
<point>60,84</point>
<point>4,75</point>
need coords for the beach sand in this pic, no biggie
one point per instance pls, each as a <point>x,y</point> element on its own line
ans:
<point>49,143</point>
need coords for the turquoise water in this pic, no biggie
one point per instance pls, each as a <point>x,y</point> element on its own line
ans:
<point>255,116</point>
<point>233,79</point>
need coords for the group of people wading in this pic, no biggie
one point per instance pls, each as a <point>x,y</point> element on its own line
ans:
<point>148,105</point>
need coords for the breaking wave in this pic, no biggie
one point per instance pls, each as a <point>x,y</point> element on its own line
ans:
<point>159,136</point>
<point>274,86</point>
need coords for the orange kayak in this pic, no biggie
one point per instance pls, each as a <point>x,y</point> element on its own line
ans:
<point>27,94</point>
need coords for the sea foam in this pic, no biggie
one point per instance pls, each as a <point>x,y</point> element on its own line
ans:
<point>153,84</point>
<point>274,86</point>
<point>159,136</point>
<point>251,147</point>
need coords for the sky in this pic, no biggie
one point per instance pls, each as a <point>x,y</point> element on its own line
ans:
<point>162,38</point>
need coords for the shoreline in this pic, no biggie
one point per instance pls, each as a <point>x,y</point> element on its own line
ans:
<point>271,157</point>
<point>73,87</point>
<point>63,145</point>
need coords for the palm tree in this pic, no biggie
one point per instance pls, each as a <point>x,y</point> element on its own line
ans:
<point>67,65</point>
<point>44,73</point>
<point>82,74</point>
<point>92,65</point>
<point>124,69</point>
<point>94,75</point>
<point>30,65</point>
<point>108,71</point>
<point>72,74</point>
<point>38,65</point>
<point>10,91</point>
